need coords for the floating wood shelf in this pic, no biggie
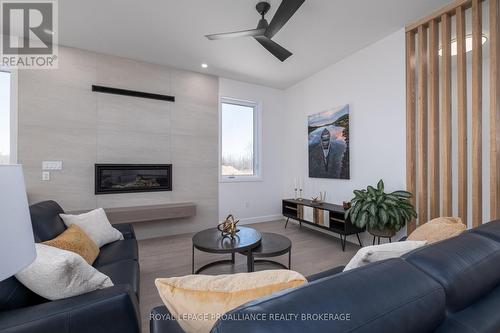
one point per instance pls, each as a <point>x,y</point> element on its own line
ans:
<point>149,213</point>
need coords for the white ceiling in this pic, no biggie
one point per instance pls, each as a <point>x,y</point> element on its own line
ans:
<point>172,33</point>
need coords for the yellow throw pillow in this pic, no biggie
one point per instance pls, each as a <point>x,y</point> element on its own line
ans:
<point>197,301</point>
<point>438,229</point>
<point>74,239</point>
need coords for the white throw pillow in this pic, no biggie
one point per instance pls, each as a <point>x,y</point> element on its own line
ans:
<point>57,274</point>
<point>369,254</point>
<point>96,225</point>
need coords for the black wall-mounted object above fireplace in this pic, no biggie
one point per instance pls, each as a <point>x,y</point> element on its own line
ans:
<point>132,93</point>
<point>129,178</point>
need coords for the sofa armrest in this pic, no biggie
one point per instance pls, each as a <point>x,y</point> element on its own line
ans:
<point>113,309</point>
<point>126,229</point>
<point>324,274</point>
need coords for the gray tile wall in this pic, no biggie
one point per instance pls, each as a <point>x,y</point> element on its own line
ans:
<point>60,118</point>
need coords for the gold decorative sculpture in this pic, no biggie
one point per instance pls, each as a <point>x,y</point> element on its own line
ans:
<point>316,200</point>
<point>228,227</point>
<point>319,200</point>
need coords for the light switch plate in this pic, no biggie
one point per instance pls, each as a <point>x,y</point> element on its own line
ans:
<point>52,165</point>
<point>45,175</point>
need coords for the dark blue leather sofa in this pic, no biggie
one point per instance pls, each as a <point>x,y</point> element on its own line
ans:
<point>450,286</point>
<point>114,309</point>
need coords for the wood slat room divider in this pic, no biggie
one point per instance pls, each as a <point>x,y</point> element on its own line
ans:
<point>430,120</point>
<point>477,118</point>
<point>494,110</point>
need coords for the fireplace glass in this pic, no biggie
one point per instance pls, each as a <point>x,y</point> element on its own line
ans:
<point>127,178</point>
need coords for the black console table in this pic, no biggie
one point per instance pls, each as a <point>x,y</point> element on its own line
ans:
<point>325,216</point>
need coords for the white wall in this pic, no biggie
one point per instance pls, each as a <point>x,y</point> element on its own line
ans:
<point>258,201</point>
<point>372,82</point>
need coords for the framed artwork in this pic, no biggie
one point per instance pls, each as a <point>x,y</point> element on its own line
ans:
<point>328,140</point>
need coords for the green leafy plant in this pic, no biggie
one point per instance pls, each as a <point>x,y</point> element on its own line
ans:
<point>375,209</point>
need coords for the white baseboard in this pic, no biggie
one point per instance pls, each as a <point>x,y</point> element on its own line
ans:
<point>260,219</point>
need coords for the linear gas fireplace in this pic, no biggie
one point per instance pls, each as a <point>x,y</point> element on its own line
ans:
<point>127,178</point>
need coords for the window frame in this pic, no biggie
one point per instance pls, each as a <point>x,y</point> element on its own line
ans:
<point>257,133</point>
<point>14,129</point>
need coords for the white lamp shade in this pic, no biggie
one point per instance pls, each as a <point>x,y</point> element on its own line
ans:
<point>17,246</point>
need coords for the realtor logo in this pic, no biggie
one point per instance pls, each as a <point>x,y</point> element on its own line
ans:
<point>29,34</point>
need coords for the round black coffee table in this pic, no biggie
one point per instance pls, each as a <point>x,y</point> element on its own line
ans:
<point>273,245</point>
<point>212,241</point>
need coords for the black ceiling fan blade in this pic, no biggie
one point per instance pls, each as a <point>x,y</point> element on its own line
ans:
<point>235,34</point>
<point>277,50</point>
<point>285,11</point>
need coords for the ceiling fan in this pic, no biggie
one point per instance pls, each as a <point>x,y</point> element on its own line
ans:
<point>265,31</point>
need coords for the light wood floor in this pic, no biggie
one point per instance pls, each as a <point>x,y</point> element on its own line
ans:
<point>312,252</point>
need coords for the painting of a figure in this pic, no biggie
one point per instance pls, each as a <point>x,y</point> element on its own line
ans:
<point>329,144</point>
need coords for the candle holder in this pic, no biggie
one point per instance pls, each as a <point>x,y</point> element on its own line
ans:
<point>295,196</point>
<point>300,195</point>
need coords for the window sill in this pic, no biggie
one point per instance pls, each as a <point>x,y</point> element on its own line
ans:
<point>240,179</point>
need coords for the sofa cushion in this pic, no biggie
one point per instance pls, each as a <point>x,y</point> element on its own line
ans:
<point>490,230</point>
<point>481,316</point>
<point>46,221</point>
<point>123,272</point>
<point>110,310</point>
<point>466,266</point>
<point>373,298</point>
<point>120,250</point>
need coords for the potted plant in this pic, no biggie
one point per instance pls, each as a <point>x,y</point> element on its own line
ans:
<point>383,214</point>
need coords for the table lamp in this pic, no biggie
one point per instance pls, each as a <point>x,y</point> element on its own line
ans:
<point>17,245</point>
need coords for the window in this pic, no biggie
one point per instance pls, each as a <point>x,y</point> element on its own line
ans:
<point>239,140</point>
<point>5,118</point>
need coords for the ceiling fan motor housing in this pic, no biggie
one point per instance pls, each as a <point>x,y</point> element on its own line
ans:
<point>263,7</point>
